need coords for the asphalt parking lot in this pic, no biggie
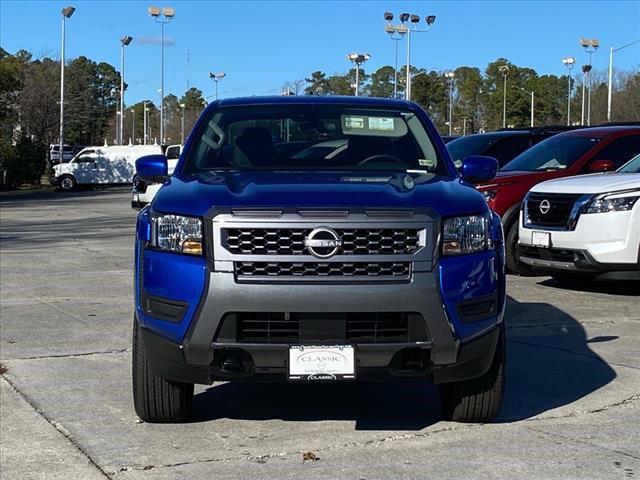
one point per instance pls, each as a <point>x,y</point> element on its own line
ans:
<point>572,407</point>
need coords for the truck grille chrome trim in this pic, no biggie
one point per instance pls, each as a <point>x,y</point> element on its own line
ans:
<point>305,270</point>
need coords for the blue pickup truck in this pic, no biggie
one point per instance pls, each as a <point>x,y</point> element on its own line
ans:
<point>318,239</point>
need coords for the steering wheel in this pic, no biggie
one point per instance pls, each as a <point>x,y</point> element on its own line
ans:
<point>381,156</point>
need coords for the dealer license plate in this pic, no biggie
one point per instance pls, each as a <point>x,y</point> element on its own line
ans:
<point>321,363</point>
<point>541,239</point>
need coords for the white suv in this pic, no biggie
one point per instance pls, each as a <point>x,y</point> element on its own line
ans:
<point>580,228</point>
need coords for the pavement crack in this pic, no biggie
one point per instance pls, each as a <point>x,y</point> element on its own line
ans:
<point>71,355</point>
<point>57,425</point>
<point>631,399</point>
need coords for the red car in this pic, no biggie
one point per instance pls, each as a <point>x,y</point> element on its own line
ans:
<point>589,150</point>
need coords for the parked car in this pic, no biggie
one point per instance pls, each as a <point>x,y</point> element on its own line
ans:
<point>101,166</point>
<point>377,262</point>
<point>575,152</point>
<point>144,192</point>
<point>68,152</point>
<point>585,227</point>
<point>503,145</point>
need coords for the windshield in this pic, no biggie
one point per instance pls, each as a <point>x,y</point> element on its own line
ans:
<point>554,153</point>
<point>462,147</point>
<point>312,137</point>
<point>632,166</point>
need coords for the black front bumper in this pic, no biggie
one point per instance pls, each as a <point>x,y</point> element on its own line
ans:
<point>576,261</point>
<point>268,362</point>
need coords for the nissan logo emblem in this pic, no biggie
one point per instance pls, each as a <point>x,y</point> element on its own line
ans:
<point>323,242</point>
<point>544,206</point>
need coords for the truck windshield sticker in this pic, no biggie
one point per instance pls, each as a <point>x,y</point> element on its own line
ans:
<point>385,124</point>
<point>426,162</point>
<point>353,122</point>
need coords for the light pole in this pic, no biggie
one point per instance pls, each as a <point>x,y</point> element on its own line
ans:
<point>396,36</point>
<point>217,77</point>
<point>402,29</point>
<point>590,46</point>
<point>611,50</point>
<point>450,76</point>
<point>66,13</point>
<point>504,71</point>
<point>162,16</point>
<point>133,125</point>
<point>358,59</point>
<point>126,40</point>
<point>182,106</point>
<point>532,103</point>
<point>145,113</point>
<point>585,72</point>
<point>569,62</point>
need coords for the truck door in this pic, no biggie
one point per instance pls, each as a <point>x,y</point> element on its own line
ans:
<point>84,167</point>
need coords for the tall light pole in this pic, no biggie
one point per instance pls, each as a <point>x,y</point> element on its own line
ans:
<point>450,76</point>
<point>504,71</point>
<point>217,77</point>
<point>145,113</point>
<point>396,36</point>
<point>162,16</point>
<point>404,28</point>
<point>569,62</point>
<point>590,46</point>
<point>585,72</point>
<point>66,13</point>
<point>133,125</point>
<point>124,41</point>
<point>611,50</point>
<point>532,94</point>
<point>358,59</point>
<point>182,106</point>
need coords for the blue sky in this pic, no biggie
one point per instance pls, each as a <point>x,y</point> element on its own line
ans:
<point>260,45</point>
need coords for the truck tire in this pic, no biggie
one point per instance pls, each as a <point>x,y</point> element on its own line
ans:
<point>68,183</point>
<point>155,399</point>
<point>514,265</point>
<point>477,400</point>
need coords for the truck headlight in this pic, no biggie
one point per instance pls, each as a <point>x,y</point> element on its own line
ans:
<point>462,235</point>
<point>612,203</point>
<point>175,233</point>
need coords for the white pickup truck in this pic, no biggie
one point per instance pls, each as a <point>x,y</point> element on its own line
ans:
<point>584,227</point>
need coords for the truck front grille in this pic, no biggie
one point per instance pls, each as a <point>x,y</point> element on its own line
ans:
<point>351,327</point>
<point>286,241</point>
<point>550,210</point>
<point>316,270</point>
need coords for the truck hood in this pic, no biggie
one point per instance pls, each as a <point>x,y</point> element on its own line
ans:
<point>592,183</point>
<point>196,194</point>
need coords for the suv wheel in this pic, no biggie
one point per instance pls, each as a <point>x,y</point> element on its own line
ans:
<point>514,265</point>
<point>155,399</point>
<point>477,400</point>
<point>68,183</point>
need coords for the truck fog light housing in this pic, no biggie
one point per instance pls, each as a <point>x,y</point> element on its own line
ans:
<point>468,234</point>
<point>176,233</point>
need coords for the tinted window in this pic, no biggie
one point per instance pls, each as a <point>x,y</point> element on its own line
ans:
<point>462,147</point>
<point>508,148</point>
<point>620,151</point>
<point>632,167</point>
<point>312,137</point>
<point>555,153</point>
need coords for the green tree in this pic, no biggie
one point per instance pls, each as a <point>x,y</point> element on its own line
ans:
<point>382,82</point>
<point>317,84</point>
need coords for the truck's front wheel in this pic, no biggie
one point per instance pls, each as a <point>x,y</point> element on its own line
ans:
<point>477,400</point>
<point>155,399</point>
<point>68,183</point>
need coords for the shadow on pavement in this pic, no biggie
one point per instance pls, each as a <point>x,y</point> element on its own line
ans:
<point>610,287</point>
<point>541,375</point>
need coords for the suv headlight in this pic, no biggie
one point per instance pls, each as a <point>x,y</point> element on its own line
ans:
<point>462,235</point>
<point>612,203</point>
<point>175,233</point>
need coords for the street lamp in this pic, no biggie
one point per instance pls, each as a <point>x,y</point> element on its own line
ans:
<point>133,125</point>
<point>182,106</point>
<point>504,71</point>
<point>611,50</point>
<point>126,40</point>
<point>590,46</point>
<point>450,76</point>
<point>145,114</point>
<point>162,16</point>
<point>569,63</point>
<point>396,36</point>
<point>585,73</point>
<point>217,77</point>
<point>532,102</point>
<point>358,59</point>
<point>66,13</point>
<point>403,28</point>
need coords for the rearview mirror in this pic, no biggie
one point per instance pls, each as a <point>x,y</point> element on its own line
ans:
<point>478,168</point>
<point>602,166</point>
<point>152,168</point>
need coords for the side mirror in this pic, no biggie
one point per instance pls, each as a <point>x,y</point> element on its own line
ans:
<point>152,168</point>
<point>602,166</point>
<point>478,168</point>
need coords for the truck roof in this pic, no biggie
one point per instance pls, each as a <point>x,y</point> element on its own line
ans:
<point>314,100</point>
